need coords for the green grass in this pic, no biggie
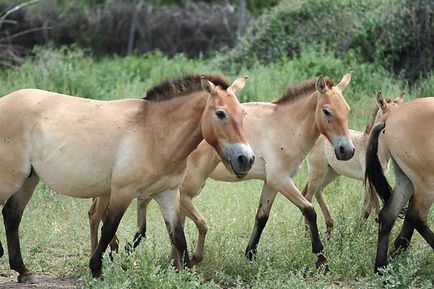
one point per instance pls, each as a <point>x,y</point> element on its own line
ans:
<point>54,231</point>
<point>55,239</point>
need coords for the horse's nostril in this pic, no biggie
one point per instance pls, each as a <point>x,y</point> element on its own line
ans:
<point>242,160</point>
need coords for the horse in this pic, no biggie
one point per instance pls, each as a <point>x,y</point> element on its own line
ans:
<point>406,134</point>
<point>87,148</point>
<point>281,134</point>
<point>324,168</point>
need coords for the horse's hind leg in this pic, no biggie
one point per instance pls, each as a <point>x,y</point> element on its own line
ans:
<point>265,203</point>
<point>330,177</point>
<point>142,205</point>
<point>12,213</point>
<point>189,209</point>
<point>403,191</point>
<point>97,213</point>
<point>117,206</point>
<point>319,178</point>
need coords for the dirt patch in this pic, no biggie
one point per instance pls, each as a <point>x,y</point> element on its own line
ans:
<point>46,281</point>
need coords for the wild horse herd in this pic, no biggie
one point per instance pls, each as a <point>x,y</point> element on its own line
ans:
<point>164,147</point>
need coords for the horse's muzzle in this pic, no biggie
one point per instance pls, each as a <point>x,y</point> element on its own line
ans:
<point>240,158</point>
<point>344,148</point>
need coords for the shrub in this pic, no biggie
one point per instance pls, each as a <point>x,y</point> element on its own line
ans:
<point>398,35</point>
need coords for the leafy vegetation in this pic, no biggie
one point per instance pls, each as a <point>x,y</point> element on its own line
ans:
<point>54,231</point>
<point>396,34</point>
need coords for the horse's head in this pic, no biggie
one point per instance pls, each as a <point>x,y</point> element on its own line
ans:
<point>222,127</point>
<point>332,115</point>
<point>385,106</point>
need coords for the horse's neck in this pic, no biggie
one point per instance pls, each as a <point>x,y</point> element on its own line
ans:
<point>299,117</point>
<point>180,127</point>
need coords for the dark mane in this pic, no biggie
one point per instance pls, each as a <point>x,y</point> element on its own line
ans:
<point>372,121</point>
<point>304,88</point>
<point>186,84</point>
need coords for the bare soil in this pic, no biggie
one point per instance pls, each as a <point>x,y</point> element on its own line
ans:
<point>46,281</point>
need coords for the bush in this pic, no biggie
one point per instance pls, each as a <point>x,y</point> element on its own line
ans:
<point>124,28</point>
<point>399,35</point>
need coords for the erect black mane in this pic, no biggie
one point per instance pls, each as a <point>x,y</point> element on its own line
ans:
<point>305,88</point>
<point>186,84</point>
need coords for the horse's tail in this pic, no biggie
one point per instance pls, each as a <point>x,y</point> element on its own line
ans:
<point>375,180</point>
<point>304,192</point>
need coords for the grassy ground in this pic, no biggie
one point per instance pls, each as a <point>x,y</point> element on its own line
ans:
<point>55,232</point>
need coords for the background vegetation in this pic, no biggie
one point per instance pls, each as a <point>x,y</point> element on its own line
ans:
<point>388,45</point>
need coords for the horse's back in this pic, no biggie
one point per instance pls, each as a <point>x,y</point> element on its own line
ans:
<point>409,139</point>
<point>72,143</point>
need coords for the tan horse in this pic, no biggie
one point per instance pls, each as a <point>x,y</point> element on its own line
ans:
<point>281,134</point>
<point>114,149</point>
<point>407,135</point>
<point>324,167</point>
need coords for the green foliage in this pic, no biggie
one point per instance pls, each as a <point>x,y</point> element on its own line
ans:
<point>395,34</point>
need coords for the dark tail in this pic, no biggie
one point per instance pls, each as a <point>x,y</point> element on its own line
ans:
<point>375,181</point>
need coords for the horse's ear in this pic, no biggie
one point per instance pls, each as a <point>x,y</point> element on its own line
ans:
<point>344,82</point>
<point>320,85</point>
<point>237,84</point>
<point>381,102</point>
<point>400,98</point>
<point>207,85</point>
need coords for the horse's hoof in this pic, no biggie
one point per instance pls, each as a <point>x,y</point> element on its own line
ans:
<point>250,254</point>
<point>97,274</point>
<point>322,264</point>
<point>329,233</point>
<point>196,260</point>
<point>27,278</point>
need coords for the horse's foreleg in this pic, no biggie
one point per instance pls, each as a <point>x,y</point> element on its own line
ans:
<point>403,240</point>
<point>169,205</point>
<point>142,205</point>
<point>116,210</point>
<point>189,209</point>
<point>174,253</point>
<point>289,190</point>
<point>417,215</point>
<point>265,203</point>
<point>12,214</point>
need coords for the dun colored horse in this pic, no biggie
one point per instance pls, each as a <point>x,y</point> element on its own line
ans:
<point>324,167</point>
<point>281,134</point>
<point>407,136</point>
<point>114,149</point>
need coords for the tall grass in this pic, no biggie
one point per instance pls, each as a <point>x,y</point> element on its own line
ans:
<point>54,229</point>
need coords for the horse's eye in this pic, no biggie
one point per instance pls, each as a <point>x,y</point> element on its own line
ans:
<point>221,115</point>
<point>326,112</point>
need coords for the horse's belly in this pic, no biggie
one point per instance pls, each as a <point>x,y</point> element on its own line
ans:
<point>73,173</point>
<point>74,182</point>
